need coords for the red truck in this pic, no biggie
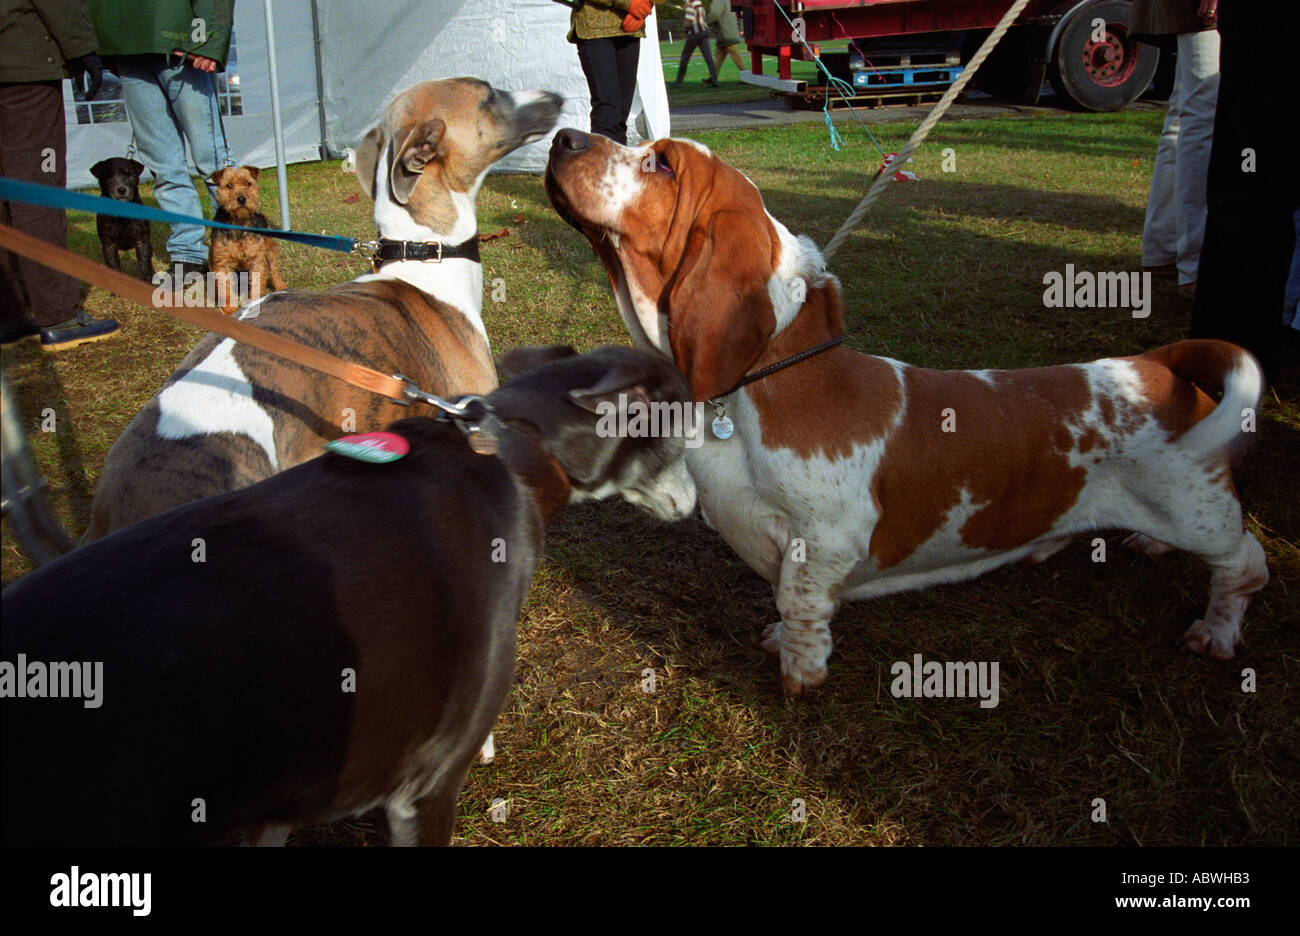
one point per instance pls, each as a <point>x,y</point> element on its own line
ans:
<point>1082,47</point>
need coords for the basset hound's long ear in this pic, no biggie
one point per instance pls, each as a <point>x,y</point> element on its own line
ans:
<point>720,313</point>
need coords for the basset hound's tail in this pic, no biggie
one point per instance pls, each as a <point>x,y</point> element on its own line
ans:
<point>1215,365</point>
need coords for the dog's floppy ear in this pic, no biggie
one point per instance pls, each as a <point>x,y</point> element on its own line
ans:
<point>626,381</point>
<point>519,361</point>
<point>407,162</point>
<point>366,158</point>
<point>136,167</point>
<point>254,171</point>
<point>720,314</point>
<point>216,176</point>
<point>102,168</point>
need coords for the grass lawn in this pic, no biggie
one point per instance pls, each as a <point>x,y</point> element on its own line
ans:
<point>1096,699</point>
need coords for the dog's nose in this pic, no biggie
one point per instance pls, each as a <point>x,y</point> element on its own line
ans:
<point>241,199</point>
<point>570,142</point>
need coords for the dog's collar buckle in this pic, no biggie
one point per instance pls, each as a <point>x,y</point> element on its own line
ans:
<point>386,250</point>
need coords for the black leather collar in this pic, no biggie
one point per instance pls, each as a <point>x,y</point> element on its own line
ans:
<point>435,251</point>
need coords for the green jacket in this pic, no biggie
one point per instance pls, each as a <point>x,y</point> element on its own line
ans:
<point>155,27</point>
<point>38,36</point>
<point>599,19</point>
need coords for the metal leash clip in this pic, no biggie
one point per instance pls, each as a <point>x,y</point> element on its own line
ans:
<point>368,249</point>
<point>469,413</point>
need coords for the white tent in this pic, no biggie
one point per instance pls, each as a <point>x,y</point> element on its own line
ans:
<point>341,61</point>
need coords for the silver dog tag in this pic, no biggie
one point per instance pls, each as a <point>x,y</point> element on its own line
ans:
<point>722,425</point>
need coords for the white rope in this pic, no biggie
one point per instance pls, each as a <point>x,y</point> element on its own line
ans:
<point>923,130</point>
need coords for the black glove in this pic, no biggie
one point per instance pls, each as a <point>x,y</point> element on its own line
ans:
<point>87,74</point>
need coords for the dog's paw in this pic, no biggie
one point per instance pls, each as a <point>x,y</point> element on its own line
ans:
<point>772,639</point>
<point>1140,542</point>
<point>1204,640</point>
<point>799,675</point>
<point>487,754</point>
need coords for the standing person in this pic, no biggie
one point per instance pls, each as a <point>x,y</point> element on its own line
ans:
<point>40,42</point>
<point>1254,183</point>
<point>697,36</point>
<point>166,53</point>
<point>608,36</point>
<point>723,21</point>
<point>1175,221</point>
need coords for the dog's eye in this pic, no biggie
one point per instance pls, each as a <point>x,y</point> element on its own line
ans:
<point>663,166</point>
<point>491,98</point>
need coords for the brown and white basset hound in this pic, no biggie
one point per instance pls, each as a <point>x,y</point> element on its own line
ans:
<point>848,476</point>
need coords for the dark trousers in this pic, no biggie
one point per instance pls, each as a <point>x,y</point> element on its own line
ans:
<point>33,148</point>
<point>697,40</point>
<point>610,67</point>
<point>1249,227</point>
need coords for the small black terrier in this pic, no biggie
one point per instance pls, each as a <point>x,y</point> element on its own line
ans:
<point>120,179</point>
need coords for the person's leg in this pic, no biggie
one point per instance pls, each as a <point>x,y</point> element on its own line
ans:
<point>160,147</point>
<point>1160,230</point>
<point>708,57</point>
<point>193,98</point>
<point>1253,186</point>
<point>1198,79</point>
<point>600,66</point>
<point>733,51</point>
<point>627,56</point>
<point>33,148</point>
<point>688,47</point>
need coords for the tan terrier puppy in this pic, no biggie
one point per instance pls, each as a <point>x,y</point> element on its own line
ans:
<point>238,251</point>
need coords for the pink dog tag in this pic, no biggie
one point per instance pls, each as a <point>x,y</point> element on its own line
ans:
<point>377,447</point>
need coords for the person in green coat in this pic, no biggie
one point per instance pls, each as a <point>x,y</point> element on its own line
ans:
<point>41,41</point>
<point>166,52</point>
<point>608,35</point>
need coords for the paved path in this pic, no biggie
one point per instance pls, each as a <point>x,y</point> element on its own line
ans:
<point>772,113</point>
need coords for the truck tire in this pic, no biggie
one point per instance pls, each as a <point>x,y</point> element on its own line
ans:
<point>1105,75</point>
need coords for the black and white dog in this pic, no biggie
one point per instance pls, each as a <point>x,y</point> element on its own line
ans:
<point>338,637</point>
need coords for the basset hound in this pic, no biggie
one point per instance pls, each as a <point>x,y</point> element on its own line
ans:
<point>846,476</point>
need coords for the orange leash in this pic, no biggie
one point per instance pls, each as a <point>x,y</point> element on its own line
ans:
<point>142,293</point>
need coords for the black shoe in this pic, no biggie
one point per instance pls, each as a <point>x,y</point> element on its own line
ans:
<point>18,331</point>
<point>80,329</point>
<point>191,266</point>
<point>711,82</point>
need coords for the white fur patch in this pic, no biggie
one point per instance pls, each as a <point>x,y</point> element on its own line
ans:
<point>799,269</point>
<point>459,283</point>
<point>215,397</point>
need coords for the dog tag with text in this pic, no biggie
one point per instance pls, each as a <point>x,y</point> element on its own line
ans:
<point>722,425</point>
<point>376,447</point>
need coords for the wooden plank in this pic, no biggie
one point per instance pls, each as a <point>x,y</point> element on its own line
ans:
<point>792,85</point>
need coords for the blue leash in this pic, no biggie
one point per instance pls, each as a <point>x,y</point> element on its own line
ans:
<point>52,197</point>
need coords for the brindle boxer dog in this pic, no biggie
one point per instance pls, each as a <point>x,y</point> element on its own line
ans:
<point>231,415</point>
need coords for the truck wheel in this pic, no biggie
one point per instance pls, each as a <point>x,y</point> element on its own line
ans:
<point>1101,68</point>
